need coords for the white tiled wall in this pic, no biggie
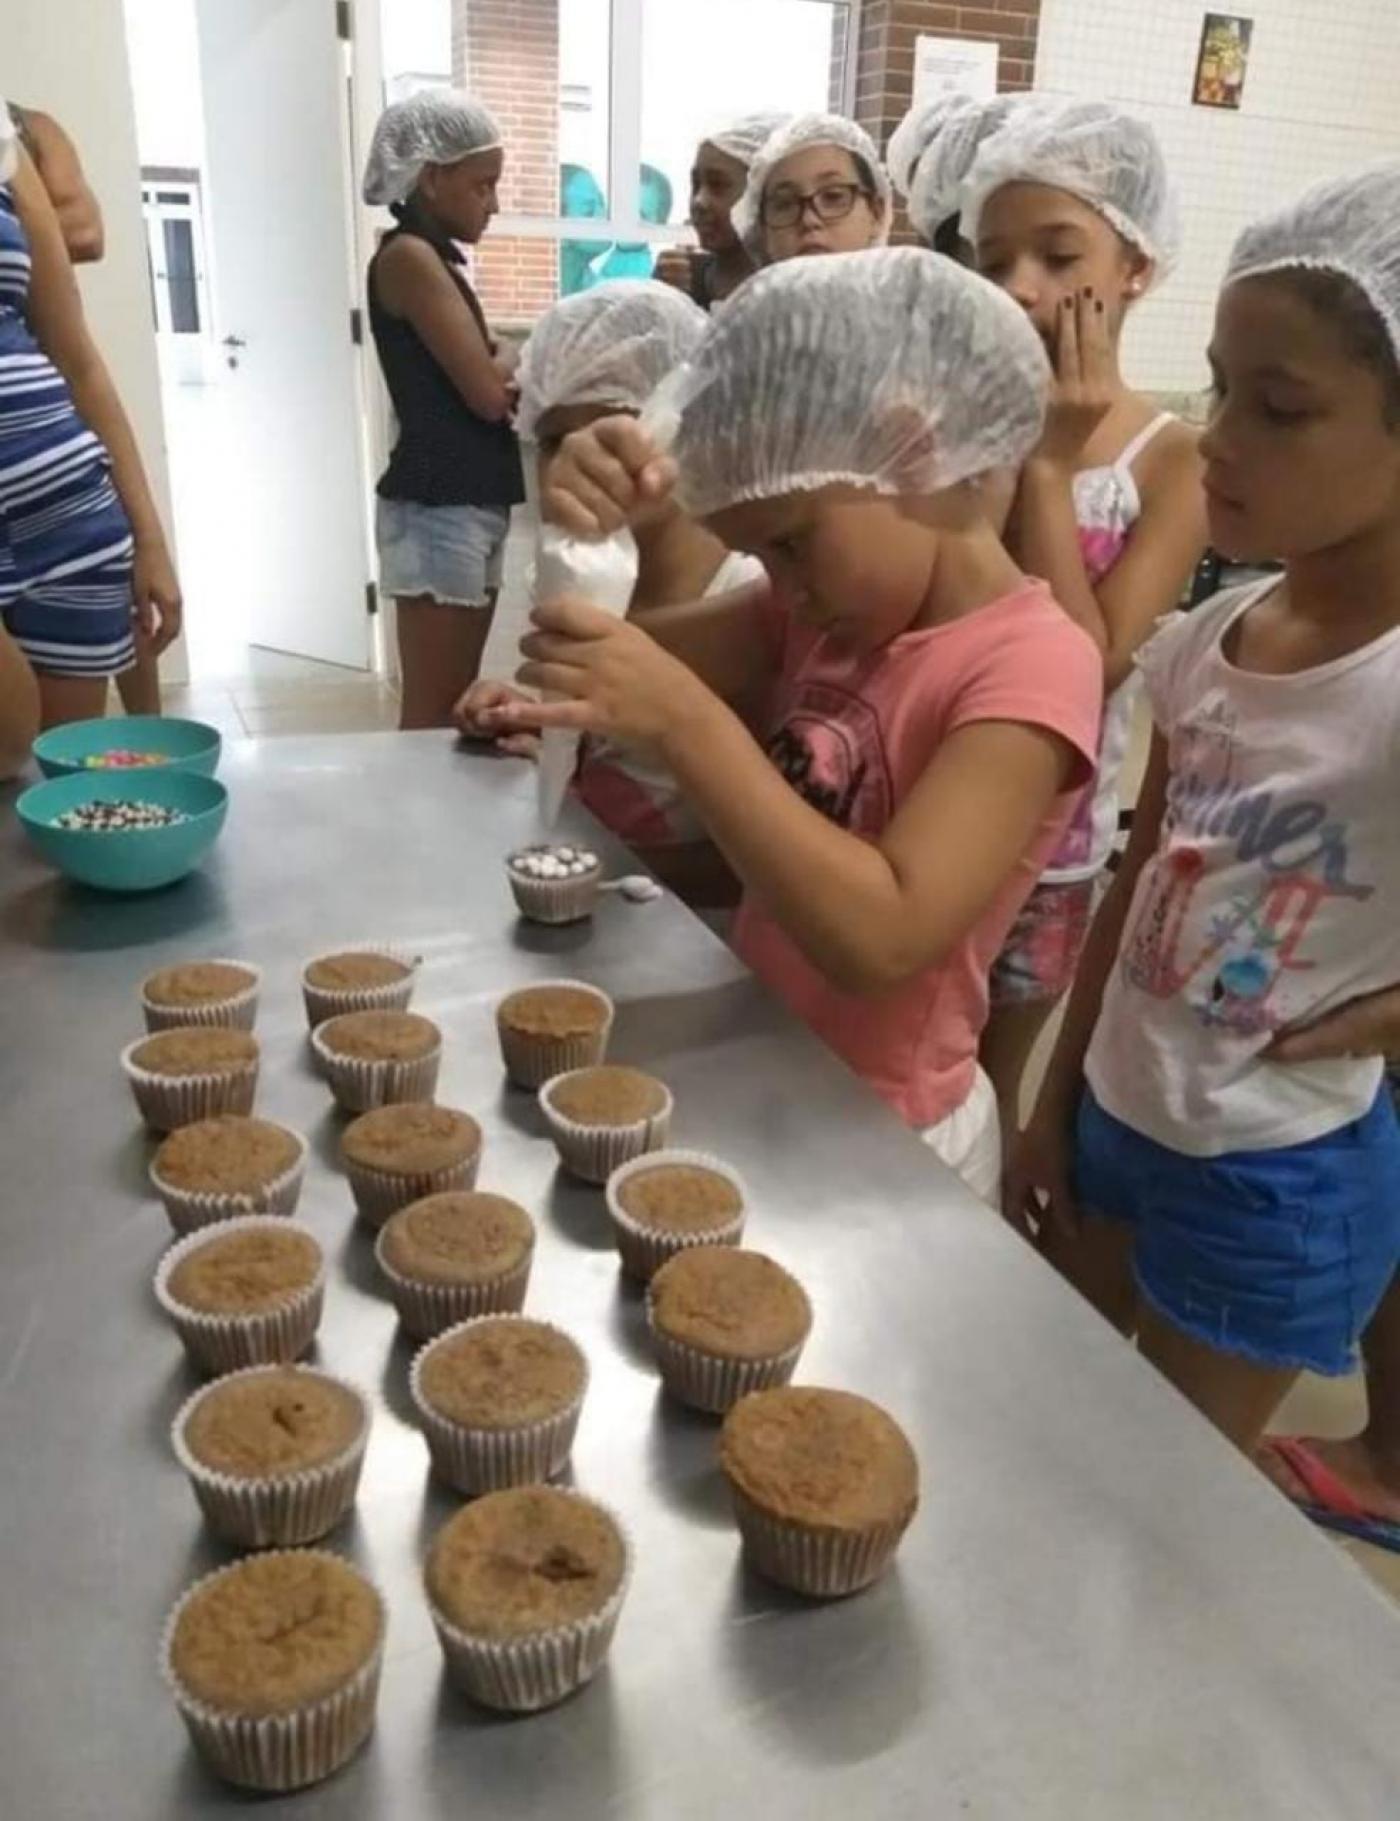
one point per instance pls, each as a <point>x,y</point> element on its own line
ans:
<point>1322,96</point>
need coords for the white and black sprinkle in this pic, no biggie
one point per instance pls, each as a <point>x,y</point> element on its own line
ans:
<point>554,862</point>
<point>125,812</point>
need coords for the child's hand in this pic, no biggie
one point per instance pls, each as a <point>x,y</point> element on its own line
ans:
<point>603,475</point>
<point>475,717</point>
<point>673,267</point>
<point>1363,1027</point>
<point>1086,378</point>
<point>616,680</point>
<point>1036,1185</point>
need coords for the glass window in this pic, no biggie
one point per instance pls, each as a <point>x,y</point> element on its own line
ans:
<point>180,276</point>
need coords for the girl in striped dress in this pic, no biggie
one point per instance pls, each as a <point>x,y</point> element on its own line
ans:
<point>82,553</point>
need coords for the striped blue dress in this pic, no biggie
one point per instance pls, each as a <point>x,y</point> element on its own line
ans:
<point>65,544</point>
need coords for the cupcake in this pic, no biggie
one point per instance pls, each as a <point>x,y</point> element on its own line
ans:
<point>192,1072</point>
<point>548,1029</point>
<point>247,1292</point>
<point>450,1257</point>
<point>525,1589</point>
<point>724,1323</point>
<point>218,1168</point>
<point>555,884</point>
<point>202,992</point>
<point>273,1453</point>
<point>499,1400</point>
<point>665,1202</point>
<point>357,980</point>
<point>824,1486</point>
<point>274,1665</point>
<point>372,1059</point>
<point>397,1154</point>
<point>602,1117</point>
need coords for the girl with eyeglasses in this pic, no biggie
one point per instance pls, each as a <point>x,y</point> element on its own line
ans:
<point>816,187</point>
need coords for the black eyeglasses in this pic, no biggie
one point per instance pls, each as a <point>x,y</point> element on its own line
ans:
<point>832,202</point>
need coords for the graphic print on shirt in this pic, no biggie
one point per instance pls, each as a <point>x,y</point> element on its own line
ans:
<point>1296,854</point>
<point>829,748</point>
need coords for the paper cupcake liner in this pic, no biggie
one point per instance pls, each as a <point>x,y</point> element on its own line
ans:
<point>532,1061</point>
<point>360,1085</point>
<point>827,1564</point>
<point>555,900</point>
<point>706,1381</point>
<point>224,1343</point>
<point>429,1309</point>
<point>523,1675</point>
<point>237,1013</point>
<point>191,1209</point>
<point>380,1193</point>
<point>168,1101</point>
<point>643,1250</point>
<point>490,1460</point>
<point>278,1751</point>
<point>323,1002</point>
<point>281,1510</point>
<point>595,1151</point>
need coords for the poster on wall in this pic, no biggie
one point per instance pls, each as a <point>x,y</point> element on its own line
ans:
<point>1224,58</point>
<point>963,66</point>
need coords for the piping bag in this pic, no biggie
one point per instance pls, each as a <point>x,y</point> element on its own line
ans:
<point>602,571</point>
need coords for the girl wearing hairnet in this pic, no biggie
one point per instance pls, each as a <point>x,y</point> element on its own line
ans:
<point>717,181</point>
<point>445,498</point>
<point>930,154</point>
<point>1214,1157</point>
<point>1070,212</point>
<point>595,354</point>
<point>931,708</point>
<point>817,186</point>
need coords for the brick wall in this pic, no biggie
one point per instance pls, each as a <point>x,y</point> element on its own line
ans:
<point>506,53</point>
<point>885,51</point>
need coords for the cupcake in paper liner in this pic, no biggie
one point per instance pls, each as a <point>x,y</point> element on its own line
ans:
<point>521,1641</point>
<point>824,1483</point>
<point>725,1322</point>
<point>552,1027</point>
<point>667,1201</point>
<point>202,992</point>
<point>274,1665</point>
<point>555,884</point>
<point>601,1118</point>
<point>216,1169</point>
<point>372,978</point>
<point>273,1453</point>
<point>399,1153</point>
<point>191,1072</point>
<point>498,1398</point>
<point>375,1059</point>
<point>450,1257</point>
<point>247,1292</point>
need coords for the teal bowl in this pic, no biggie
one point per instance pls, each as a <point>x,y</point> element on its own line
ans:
<point>187,745</point>
<point>126,859</point>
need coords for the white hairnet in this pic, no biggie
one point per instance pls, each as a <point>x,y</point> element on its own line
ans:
<point>891,369</point>
<point>9,144</point>
<point>744,139</point>
<point>612,345</point>
<point>1108,159</point>
<point>795,136</point>
<point>933,148</point>
<point>1348,225</point>
<point>435,126</point>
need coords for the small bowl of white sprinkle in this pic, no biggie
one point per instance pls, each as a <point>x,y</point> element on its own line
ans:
<point>128,833</point>
<point>555,883</point>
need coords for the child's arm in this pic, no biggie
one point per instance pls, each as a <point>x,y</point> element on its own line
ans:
<point>1043,535</point>
<point>726,639</point>
<point>867,914</point>
<point>19,706</point>
<point>412,282</point>
<point>1369,1026</point>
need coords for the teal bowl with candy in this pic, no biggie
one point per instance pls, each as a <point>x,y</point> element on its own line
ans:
<point>125,832</point>
<point>129,743</point>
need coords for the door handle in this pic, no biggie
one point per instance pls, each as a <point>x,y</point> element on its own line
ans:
<point>234,341</point>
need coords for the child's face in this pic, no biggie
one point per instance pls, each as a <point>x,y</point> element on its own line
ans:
<point>716,184</point>
<point>1041,245</point>
<point>1299,457</point>
<point>462,196</point>
<point>849,562</point>
<point>819,181</point>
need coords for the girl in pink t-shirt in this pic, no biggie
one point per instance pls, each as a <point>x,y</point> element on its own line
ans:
<point>934,709</point>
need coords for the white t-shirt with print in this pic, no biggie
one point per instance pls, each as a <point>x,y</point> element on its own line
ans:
<point>1273,897</point>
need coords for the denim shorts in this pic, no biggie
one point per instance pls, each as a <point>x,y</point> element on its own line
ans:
<point>1280,1256</point>
<point>456,554</point>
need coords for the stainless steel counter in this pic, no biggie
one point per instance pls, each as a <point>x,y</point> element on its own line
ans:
<point>1098,1613</point>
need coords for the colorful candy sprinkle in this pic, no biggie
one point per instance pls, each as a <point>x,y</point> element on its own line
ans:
<point>107,817</point>
<point>118,758</point>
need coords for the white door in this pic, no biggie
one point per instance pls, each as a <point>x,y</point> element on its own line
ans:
<point>276,124</point>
